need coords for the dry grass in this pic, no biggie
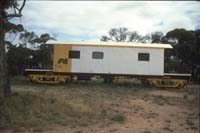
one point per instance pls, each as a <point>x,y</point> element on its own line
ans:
<point>94,106</point>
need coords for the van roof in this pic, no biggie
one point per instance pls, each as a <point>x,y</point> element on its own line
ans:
<point>113,44</point>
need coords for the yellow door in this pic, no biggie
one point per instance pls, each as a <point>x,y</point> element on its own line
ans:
<point>61,62</point>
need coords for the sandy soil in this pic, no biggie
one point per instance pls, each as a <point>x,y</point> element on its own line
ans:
<point>146,117</point>
<point>158,111</point>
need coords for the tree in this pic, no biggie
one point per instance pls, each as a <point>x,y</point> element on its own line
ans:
<point>122,34</point>
<point>116,34</point>
<point>38,56</point>
<point>134,36</point>
<point>42,39</point>
<point>5,15</point>
<point>104,39</point>
<point>27,38</point>
<point>196,56</point>
<point>45,51</point>
<point>145,39</point>
<point>18,58</point>
<point>11,31</point>
<point>157,37</point>
<point>183,42</point>
<point>186,48</point>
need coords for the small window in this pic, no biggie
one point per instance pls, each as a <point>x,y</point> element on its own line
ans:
<point>74,54</point>
<point>97,55</point>
<point>143,56</point>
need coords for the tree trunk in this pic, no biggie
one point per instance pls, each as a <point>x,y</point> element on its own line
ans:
<point>5,89</point>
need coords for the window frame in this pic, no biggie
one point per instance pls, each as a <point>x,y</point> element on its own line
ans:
<point>70,56</point>
<point>96,56</point>
<point>143,56</point>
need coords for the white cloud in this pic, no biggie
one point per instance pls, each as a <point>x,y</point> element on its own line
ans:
<point>91,19</point>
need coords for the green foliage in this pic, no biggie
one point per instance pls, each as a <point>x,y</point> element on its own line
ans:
<point>45,54</point>
<point>121,34</point>
<point>12,28</point>
<point>18,59</point>
<point>184,42</point>
<point>23,56</point>
<point>27,37</point>
<point>186,50</point>
<point>157,37</point>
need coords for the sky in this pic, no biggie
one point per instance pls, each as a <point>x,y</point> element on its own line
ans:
<point>89,20</point>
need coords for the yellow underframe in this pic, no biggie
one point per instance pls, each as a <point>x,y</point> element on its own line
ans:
<point>42,78</point>
<point>157,82</point>
<point>171,83</point>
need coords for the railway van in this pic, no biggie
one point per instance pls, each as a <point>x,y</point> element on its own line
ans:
<point>110,61</point>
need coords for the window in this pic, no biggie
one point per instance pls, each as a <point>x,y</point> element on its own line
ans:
<point>143,56</point>
<point>97,55</point>
<point>74,54</point>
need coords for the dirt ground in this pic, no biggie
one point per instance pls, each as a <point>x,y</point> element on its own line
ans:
<point>145,110</point>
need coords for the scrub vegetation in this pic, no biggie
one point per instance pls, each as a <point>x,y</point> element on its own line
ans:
<point>93,106</point>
